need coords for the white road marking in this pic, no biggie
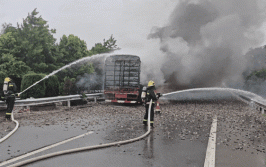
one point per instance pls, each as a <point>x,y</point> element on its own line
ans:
<point>43,149</point>
<point>210,153</point>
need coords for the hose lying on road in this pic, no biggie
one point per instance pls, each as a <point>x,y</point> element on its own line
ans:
<point>85,148</point>
<point>13,131</point>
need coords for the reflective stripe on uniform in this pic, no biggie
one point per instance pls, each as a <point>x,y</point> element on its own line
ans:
<point>145,120</point>
<point>8,113</point>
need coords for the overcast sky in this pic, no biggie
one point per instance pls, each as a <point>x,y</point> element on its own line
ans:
<point>130,21</point>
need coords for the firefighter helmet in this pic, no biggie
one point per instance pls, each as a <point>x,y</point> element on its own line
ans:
<point>7,79</point>
<point>151,83</point>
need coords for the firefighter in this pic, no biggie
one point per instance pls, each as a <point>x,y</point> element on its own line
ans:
<point>9,95</point>
<point>150,95</point>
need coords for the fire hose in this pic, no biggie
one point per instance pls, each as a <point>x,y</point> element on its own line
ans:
<point>13,131</point>
<point>87,148</point>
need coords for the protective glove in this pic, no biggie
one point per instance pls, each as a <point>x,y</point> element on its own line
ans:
<point>158,95</point>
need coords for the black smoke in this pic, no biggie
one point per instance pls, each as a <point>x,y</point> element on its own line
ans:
<point>205,42</point>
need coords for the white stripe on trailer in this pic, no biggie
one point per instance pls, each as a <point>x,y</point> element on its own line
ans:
<point>120,101</point>
<point>123,101</point>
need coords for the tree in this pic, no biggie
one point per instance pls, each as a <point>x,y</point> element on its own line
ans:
<point>68,77</point>
<point>10,65</point>
<point>52,86</point>
<point>31,48</point>
<point>38,90</point>
<point>36,43</point>
<point>107,46</point>
<point>71,48</point>
<point>7,28</point>
<point>7,43</point>
<point>110,44</point>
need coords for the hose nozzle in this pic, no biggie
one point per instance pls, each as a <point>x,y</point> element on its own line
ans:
<point>18,94</point>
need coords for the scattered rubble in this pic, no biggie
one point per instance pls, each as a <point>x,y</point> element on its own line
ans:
<point>240,127</point>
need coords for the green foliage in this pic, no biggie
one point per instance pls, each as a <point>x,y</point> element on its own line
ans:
<point>52,86</point>
<point>261,74</point>
<point>10,66</point>
<point>107,46</point>
<point>29,51</point>
<point>36,91</point>
<point>7,43</point>
<point>2,77</point>
<point>110,43</point>
<point>8,63</point>
<point>35,43</point>
<point>68,77</point>
<point>255,82</point>
<point>7,28</point>
<point>71,48</point>
<point>68,85</point>
<point>97,49</point>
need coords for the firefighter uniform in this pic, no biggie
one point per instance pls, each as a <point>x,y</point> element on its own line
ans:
<point>150,95</point>
<point>9,90</point>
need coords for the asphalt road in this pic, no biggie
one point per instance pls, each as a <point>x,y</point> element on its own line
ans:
<point>179,138</point>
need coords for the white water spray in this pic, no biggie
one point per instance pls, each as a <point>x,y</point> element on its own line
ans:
<point>248,94</point>
<point>66,66</point>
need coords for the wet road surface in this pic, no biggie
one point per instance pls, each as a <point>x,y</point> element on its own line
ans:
<point>179,138</point>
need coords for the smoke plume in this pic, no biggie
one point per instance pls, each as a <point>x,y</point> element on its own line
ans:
<point>205,41</point>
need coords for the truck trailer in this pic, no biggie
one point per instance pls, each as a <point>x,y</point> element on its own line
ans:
<point>122,79</point>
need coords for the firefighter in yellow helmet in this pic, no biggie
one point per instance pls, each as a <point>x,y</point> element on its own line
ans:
<point>150,95</point>
<point>8,95</point>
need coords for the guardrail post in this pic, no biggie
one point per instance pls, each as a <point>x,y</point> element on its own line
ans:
<point>251,104</point>
<point>68,103</point>
<point>262,111</point>
<point>28,109</point>
<point>95,99</point>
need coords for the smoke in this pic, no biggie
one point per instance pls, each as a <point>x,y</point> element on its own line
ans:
<point>205,41</point>
<point>88,82</point>
<point>93,81</point>
<point>150,62</point>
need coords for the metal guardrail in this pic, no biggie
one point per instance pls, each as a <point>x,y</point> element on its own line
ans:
<point>249,98</point>
<point>38,101</point>
<point>259,104</point>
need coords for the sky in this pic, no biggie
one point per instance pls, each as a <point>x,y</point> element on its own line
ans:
<point>130,21</point>
<point>192,43</point>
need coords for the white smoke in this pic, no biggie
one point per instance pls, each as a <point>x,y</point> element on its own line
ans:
<point>88,82</point>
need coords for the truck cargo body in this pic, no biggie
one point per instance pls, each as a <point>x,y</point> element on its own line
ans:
<point>122,79</point>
